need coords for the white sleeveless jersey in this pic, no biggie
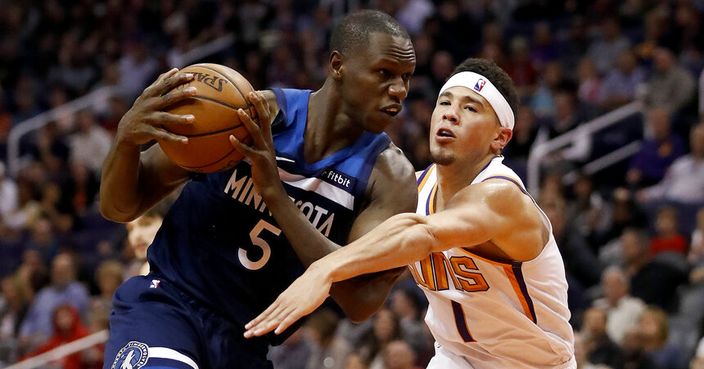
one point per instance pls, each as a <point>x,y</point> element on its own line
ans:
<point>495,314</point>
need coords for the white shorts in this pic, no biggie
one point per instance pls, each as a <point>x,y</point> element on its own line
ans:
<point>444,359</point>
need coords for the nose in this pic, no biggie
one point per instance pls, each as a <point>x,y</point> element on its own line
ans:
<point>398,90</point>
<point>450,115</point>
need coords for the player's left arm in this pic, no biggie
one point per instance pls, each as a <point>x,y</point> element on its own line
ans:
<point>392,190</point>
<point>494,211</point>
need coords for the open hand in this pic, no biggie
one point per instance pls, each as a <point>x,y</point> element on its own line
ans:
<point>145,120</point>
<point>301,298</point>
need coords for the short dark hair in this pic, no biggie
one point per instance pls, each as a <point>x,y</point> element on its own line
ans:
<point>497,76</point>
<point>354,29</point>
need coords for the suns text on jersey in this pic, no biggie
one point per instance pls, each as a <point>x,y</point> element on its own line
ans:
<point>242,189</point>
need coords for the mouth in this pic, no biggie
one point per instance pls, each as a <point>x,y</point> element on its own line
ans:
<point>392,110</point>
<point>445,133</point>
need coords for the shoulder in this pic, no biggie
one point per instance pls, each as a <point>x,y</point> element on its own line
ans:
<point>271,100</point>
<point>393,177</point>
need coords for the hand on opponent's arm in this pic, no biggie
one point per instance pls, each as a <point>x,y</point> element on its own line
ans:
<point>491,211</point>
<point>392,191</point>
<point>132,182</point>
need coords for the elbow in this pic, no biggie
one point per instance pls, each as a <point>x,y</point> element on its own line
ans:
<point>358,316</point>
<point>111,213</point>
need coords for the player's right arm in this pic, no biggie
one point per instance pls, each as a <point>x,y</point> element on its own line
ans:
<point>133,181</point>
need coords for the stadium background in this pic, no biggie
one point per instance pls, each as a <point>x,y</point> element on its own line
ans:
<point>572,61</point>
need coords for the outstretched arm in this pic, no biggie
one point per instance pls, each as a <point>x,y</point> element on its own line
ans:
<point>392,190</point>
<point>492,211</point>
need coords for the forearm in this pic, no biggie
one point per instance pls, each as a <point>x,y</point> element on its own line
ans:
<point>358,297</point>
<point>119,194</point>
<point>399,241</point>
<point>307,242</point>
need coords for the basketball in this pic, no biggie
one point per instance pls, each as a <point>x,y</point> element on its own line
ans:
<point>220,91</point>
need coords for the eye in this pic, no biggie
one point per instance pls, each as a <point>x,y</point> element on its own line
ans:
<point>406,77</point>
<point>384,73</point>
<point>471,108</point>
<point>444,102</point>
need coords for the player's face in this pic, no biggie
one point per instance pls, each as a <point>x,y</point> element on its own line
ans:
<point>463,126</point>
<point>375,80</point>
<point>141,233</point>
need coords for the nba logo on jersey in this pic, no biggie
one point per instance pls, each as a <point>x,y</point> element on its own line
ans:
<point>479,85</point>
<point>133,356</point>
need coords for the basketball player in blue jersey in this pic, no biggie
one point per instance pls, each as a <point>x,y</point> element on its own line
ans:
<point>478,245</point>
<point>234,240</point>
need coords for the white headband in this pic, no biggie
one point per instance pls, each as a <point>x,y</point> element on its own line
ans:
<point>481,85</point>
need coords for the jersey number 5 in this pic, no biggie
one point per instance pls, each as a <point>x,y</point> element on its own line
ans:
<point>254,235</point>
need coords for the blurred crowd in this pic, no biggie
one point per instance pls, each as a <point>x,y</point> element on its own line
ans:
<point>631,235</point>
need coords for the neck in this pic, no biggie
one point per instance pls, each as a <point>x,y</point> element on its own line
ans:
<point>454,177</point>
<point>322,138</point>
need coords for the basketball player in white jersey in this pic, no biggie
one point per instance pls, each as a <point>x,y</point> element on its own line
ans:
<point>478,246</point>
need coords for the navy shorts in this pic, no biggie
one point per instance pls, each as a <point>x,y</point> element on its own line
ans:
<point>155,325</point>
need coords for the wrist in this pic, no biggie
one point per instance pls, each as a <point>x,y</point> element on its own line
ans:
<point>323,270</point>
<point>273,192</point>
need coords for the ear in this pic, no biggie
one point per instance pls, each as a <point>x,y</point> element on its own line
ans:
<point>501,140</point>
<point>336,65</point>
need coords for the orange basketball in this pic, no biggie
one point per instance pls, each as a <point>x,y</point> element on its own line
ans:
<point>220,91</point>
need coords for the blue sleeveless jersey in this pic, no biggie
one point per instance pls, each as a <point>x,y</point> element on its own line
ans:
<point>220,244</point>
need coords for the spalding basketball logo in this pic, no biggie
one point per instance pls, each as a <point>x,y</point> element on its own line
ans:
<point>479,85</point>
<point>133,356</point>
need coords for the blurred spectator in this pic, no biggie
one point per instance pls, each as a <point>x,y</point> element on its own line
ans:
<point>620,84</point>
<point>13,307</point>
<point>657,153</point>
<point>670,87</point>
<point>634,351</point>
<point>625,213</point>
<point>43,240</point>
<point>412,14</point>
<point>64,289</point>
<point>327,350</point>
<point>651,281</point>
<point>79,190</point>
<point>684,180</point>
<point>406,304</point>
<point>51,150</point>
<point>589,212</point>
<point>622,309</point>
<point>543,48</point>
<point>140,234</point>
<point>701,94</point>
<point>579,259</point>
<point>600,348</point>
<point>542,99</point>
<point>136,67</point>
<point>399,355</point>
<point>608,45</point>
<point>108,276</point>
<point>385,329</point>
<point>667,237</point>
<point>91,143</point>
<point>67,327</point>
<point>8,195</point>
<point>696,251</point>
<point>520,66</point>
<point>653,330</point>
<point>589,82</point>
<point>294,353</point>
<point>698,359</point>
<point>355,361</point>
